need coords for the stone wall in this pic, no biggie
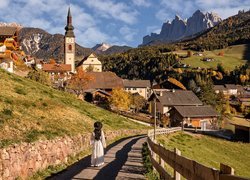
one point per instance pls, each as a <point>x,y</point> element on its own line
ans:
<point>24,159</point>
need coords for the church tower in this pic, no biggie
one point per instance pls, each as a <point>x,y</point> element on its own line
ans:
<point>69,43</point>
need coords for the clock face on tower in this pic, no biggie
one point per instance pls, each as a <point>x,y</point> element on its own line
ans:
<point>69,44</point>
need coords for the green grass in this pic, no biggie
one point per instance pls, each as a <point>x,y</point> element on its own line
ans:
<point>233,56</point>
<point>30,111</point>
<point>210,151</point>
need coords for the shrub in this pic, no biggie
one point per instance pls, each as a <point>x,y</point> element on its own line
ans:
<point>20,90</point>
<point>7,112</point>
<point>39,76</point>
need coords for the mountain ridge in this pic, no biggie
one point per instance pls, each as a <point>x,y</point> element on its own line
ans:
<point>179,28</point>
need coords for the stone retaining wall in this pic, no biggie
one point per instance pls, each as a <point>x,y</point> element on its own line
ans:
<point>24,159</point>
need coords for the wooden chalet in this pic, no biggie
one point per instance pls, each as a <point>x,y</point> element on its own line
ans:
<point>203,117</point>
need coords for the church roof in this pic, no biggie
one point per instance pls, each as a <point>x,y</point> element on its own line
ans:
<point>92,55</point>
<point>57,67</point>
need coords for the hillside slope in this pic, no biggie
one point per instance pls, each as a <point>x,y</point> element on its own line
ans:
<point>231,31</point>
<point>30,111</point>
<point>233,56</point>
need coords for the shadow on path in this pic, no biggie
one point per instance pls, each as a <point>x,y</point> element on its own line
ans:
<point>109,171</point>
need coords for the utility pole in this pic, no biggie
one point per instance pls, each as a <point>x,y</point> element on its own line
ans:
<point>155,119</point>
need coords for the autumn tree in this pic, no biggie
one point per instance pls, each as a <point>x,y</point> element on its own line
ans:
<point>79,81</point>
<point>138,102</point>
<point>120,99</point>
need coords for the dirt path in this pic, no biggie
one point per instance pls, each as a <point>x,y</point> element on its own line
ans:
<point>123,160</point>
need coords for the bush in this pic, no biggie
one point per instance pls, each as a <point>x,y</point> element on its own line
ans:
<point>39,76</point>
<point>20,90</point>
<point>147,163</point>
<point>7,112</point>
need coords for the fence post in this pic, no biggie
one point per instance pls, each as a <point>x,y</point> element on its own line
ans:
<point>161,161</point>
<point>225,169</point>
<point>177,175</point>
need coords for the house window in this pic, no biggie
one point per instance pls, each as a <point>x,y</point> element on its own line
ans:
<point>70,47</point>
<point>129,88</point>
<point>134,88</point>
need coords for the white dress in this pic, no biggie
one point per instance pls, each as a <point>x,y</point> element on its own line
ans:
<point>97,157</point>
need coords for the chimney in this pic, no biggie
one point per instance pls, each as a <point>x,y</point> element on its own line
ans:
<point>160,93</point>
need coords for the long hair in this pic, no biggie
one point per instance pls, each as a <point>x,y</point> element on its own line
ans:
<point>97,131</point>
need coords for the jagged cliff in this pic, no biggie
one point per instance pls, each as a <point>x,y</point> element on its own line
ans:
<point>179,28</point>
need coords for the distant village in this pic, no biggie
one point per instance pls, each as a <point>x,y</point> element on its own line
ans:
<point>168,101</point>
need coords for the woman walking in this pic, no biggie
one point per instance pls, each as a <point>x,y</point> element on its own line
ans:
<point>98,144</point>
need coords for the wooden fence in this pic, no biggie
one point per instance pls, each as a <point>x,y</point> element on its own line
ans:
<point>188,168</point>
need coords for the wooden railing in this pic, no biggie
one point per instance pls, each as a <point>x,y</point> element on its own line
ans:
<point>183,166</point>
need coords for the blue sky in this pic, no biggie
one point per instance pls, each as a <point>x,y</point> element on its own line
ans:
<point>121,22</point>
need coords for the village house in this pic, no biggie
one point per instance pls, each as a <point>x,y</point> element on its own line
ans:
<point>229,89</point>
<point>91,64</point>
<point>7,64</point>
<point>241,128</point>
<point>220,89</point>
<point>105,81</point>
<point>203,117</point>
<point>142,87</point>
<point>59,73</point>
<point>96,96</point>
<point>164,101</point>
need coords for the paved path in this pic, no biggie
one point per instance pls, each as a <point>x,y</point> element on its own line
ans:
<point>123,160</point>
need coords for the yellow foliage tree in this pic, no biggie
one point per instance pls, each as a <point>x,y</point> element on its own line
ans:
<point>177,83</point>
<point>120,99</point>
<point>79,81</point>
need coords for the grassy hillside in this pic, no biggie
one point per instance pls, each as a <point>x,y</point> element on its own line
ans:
<point>233,56</point>
<point>210,151</point>
<point>30,111</point>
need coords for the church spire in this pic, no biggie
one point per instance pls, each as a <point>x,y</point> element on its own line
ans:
<point>69,27</point>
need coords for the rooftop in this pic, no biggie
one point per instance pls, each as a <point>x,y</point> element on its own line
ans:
<point>179,98</point>
<point>104,80</point>
<point>136,83</point>
<point>56,67</point>
<point>196,111</point>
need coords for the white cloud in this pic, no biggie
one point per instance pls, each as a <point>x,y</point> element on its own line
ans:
<point>51,16</point>
<point>4,4</point>
<point>143,3</point>
<point>109,9</point>
<point>128,33</point>
<point>186,8</point>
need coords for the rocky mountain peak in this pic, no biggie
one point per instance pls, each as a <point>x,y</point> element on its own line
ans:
<point>12,24</point>
<point>180,28</point>
<point>177,17</point>
<point>102,47</point>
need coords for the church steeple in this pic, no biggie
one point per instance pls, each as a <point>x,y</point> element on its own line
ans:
<point>69,27</point>
<point>69,43</point>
